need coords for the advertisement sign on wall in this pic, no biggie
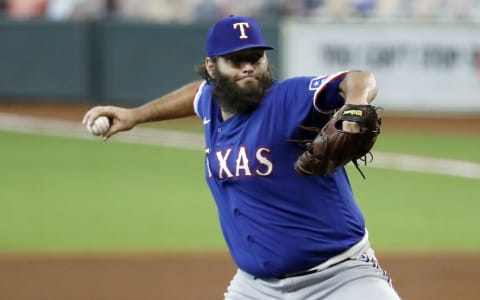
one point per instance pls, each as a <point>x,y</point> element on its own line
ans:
<point>418,67</point>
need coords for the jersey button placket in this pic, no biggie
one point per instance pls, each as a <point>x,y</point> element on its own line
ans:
<point>216,137</point>
<point>219,131</point>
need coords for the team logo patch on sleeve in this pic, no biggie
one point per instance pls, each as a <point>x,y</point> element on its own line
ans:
<point>316,83</point>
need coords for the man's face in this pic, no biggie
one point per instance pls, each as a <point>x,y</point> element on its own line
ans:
<point>241,79</point>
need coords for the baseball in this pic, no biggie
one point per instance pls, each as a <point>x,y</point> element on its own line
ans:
<point>99,127</point>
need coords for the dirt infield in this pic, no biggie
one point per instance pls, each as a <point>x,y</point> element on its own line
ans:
<point>204,276</point>
<point>200,276</point>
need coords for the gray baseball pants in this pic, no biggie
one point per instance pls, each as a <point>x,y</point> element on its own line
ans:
<point>359,277</point>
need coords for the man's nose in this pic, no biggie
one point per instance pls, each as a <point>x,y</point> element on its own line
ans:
<point>247,67</point>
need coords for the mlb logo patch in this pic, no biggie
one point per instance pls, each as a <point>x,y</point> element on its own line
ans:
<point>316,83</point>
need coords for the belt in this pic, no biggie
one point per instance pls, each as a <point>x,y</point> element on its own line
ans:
<point>310,271</point>
<point>342,257</point>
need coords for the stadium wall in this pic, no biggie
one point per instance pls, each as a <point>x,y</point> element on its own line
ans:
<point>419,67</point>
<point>103,62</point>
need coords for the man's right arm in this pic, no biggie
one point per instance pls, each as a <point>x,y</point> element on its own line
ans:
<point>177,104</point>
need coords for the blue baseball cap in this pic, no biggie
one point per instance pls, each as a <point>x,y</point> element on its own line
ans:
<point>234,33</point>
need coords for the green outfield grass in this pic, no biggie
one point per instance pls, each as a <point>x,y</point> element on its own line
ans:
<point>66,194</point>
<point>451,146</point>
<point>60,194</point>
<point>422,212</point>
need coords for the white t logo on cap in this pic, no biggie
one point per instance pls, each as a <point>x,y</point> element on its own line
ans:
<point>242,27</point>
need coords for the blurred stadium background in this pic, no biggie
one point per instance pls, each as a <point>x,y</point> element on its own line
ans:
<point>81,219</point>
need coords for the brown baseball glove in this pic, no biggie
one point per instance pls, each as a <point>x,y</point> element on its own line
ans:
<point>334,147</point>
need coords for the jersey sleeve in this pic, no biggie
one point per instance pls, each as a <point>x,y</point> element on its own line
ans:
<point>198,105</point>
<point>308,94</point>
<point>327,97</point>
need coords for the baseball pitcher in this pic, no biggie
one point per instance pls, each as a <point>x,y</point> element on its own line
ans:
<point>274,162</point>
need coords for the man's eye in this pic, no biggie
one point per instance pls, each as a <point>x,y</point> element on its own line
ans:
<point>256,58</point>
<point>233,59</point>
<point>236,59</point>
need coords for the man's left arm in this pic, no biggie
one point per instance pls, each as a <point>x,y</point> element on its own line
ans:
<point>350,134</point>
<point>358,87</point>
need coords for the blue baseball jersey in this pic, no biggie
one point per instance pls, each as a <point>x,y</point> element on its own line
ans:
<point>274,220</point>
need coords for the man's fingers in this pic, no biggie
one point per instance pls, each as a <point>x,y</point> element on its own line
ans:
<point>95,112</point>
<point>111,131</point>
<point>351,126</point>
<point>91,115</point>
<point>120,119</point>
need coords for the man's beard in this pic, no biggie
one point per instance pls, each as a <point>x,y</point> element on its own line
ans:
<point>235,99</point>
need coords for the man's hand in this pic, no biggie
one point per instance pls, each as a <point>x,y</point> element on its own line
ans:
<point>352,127</point>
<point>121,119</point>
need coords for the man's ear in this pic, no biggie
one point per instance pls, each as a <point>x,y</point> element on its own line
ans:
<point>210,66</point>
